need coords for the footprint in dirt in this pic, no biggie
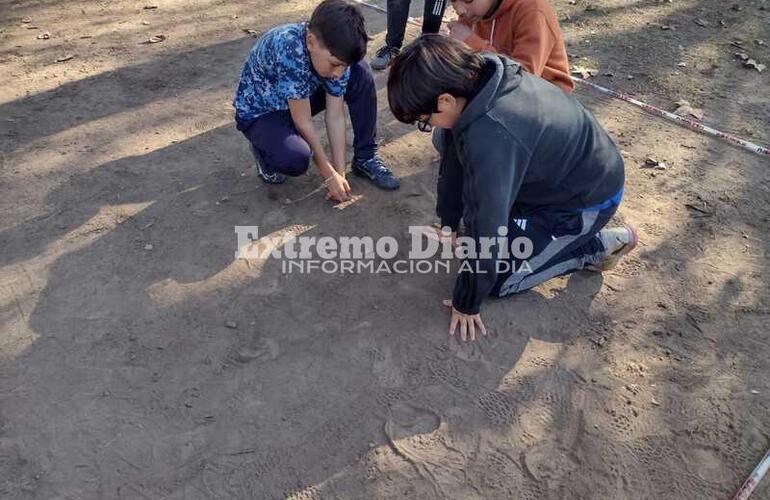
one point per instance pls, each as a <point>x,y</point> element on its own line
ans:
<point>467,351</point>
<point>385,367</point>
<point>260,350</point>
<point>546,461</point>
<point>405,420</point>
<point>275,218</point>
<point>705,463</point>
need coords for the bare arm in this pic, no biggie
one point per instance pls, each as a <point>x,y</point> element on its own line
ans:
<point>335,129</point>
<point>338,187</point>
<point>301,116</point>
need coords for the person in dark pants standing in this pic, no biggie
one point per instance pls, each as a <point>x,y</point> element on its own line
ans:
<point>398,14</point>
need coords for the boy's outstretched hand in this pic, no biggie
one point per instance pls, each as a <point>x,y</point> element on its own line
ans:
<point>467,323</point>
<point>338,187</point>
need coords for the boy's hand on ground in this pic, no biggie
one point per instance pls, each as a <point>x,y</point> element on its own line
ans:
<point>467,323</point>
<point>338,187</point>
<point>458,30</point>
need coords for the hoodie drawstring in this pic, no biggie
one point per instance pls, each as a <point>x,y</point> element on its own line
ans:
<point>492,34</point>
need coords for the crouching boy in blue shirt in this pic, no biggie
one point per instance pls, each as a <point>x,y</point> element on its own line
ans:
<point>297,70</point>
<point>518,156</point>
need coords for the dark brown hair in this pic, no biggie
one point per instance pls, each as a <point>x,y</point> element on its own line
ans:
<point>341,28</point>
<point>430,66</point>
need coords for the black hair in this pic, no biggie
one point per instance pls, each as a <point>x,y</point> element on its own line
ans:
<point>428,67</point>
<point>340,27</point>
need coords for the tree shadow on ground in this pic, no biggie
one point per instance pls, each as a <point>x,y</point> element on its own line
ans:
<point>347,385</point>
<point>140,379</point>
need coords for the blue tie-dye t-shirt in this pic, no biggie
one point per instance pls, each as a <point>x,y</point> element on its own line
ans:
<point>278,69</point>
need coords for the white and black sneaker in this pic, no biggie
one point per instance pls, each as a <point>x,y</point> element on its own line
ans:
<point>618,242</point>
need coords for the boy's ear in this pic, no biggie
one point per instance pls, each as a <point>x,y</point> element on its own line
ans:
<point>446,102</point>
<point>311,40</point>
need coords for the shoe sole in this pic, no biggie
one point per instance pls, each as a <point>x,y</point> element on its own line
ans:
<point>612,261</point>
<point>361,173</point>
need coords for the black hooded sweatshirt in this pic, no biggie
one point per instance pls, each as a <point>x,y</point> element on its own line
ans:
<point>520,145</point>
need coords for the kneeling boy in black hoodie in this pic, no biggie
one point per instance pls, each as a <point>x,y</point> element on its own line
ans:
<point>521,159</point>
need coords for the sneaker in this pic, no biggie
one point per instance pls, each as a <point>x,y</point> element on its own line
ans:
<point>375,170</point>
<point>267,177</point>
<point>383,57</point>
<point>617,242</point>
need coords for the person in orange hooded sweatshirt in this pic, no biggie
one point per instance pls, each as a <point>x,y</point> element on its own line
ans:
<point>525,30</point>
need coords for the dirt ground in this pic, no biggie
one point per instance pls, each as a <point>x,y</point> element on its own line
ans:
<point>122,178</point>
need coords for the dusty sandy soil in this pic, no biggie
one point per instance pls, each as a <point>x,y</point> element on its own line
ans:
<point>122,177</point>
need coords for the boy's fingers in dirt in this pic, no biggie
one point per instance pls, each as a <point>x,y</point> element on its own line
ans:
<point>464,330</point>
<point>338,196</point>
<point>482,328</point>
<point>453,325</point>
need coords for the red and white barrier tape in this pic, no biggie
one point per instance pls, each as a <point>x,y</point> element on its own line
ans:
<point>686,122</point>
<point>681,120</point>
<point>754,479</point>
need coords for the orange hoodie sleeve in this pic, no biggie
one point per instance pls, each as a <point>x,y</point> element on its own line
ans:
<point>533,42</point>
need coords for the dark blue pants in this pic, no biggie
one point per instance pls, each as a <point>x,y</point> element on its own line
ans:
<point>282,148</point>
<point>563,242</point>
